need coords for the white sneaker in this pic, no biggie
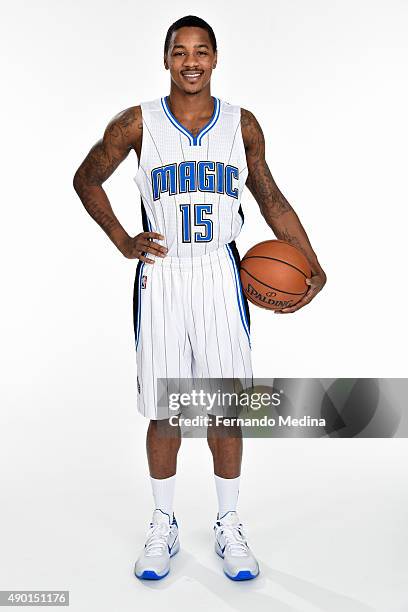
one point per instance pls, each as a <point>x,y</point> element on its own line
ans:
<point>231,545</point>
<point>161,544</point>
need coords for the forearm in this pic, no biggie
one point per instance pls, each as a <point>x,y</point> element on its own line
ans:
<point>96,203</point>
<point>288,227</point>
<point>121,135</point>
<point>280,216</point>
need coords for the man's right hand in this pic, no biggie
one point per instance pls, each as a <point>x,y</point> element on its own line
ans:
<point>135,248</point>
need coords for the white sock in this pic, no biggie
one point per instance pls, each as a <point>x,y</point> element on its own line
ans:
<point>163,494</point>
<point>227,493</point>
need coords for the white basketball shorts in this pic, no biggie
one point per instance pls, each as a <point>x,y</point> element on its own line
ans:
<point>191,320</point>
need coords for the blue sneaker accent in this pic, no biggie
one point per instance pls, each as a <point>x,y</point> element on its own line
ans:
<point>219,518</point>
<point>243,575</point>
<point>171,551</point>
<point>165,513</point>
<point>150,575</point>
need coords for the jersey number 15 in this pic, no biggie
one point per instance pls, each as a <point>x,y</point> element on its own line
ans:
<point>205,234</point>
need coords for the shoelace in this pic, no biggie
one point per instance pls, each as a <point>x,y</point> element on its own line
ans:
<point>156,540</point>
<point>234,541</point>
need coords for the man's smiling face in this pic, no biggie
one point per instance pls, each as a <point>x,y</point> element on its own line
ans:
<point>190,59</point>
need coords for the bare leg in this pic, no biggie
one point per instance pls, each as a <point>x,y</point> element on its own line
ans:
<point>162,444</point>
<point>225,443</point>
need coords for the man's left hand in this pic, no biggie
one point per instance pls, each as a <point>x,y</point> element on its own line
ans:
<point>316,284</point>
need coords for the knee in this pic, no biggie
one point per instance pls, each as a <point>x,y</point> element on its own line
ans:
<point>163,427</point>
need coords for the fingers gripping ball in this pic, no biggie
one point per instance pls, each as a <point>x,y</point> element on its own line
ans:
<point>273,274</point>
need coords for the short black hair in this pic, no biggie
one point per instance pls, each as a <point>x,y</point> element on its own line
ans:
<point>193,22</point>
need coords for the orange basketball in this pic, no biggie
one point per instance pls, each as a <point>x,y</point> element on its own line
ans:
<point>273,274</point>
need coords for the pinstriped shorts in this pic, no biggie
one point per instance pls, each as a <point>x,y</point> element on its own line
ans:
<point>191,321</point>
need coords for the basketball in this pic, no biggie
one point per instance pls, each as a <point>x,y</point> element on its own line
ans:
<point>273,274</point>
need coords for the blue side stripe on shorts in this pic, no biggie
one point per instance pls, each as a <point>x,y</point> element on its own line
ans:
<point>139,304</point>
<point>240,297</point>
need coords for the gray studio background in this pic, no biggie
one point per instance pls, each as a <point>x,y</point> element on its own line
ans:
<point>327,518</point>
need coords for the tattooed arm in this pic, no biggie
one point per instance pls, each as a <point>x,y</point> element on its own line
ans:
<point>123,133</point>
<point>276,210</point>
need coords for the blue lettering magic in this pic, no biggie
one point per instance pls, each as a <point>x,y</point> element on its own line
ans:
<point>192,176</point>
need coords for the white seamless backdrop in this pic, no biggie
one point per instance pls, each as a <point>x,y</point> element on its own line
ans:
<point>327,81</point>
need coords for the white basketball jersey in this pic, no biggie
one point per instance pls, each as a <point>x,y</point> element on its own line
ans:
<point>191,186</point>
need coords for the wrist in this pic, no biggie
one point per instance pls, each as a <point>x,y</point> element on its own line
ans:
<point>119,237</point>
<point>318,271</point>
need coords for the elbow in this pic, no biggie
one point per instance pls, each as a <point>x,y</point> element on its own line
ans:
<point>80,183</point>
<point>76,182</point>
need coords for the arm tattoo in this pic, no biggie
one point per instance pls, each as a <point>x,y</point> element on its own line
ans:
<point>276,210</point>
<point>121,135</point>
<point>260,181</point>
<point>111,150</point>
<point>287,237</point>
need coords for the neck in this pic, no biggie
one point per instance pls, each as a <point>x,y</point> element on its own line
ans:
<point>187,105</point>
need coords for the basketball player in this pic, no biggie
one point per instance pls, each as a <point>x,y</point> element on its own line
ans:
<point>195,155</point>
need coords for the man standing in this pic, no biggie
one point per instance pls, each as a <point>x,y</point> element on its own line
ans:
<point>196,153</point>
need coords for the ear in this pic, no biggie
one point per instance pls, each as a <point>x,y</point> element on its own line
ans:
<point>165,63</point>
<point>215,59</point>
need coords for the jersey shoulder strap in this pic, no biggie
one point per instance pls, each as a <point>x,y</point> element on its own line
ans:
<point>150,108</point>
